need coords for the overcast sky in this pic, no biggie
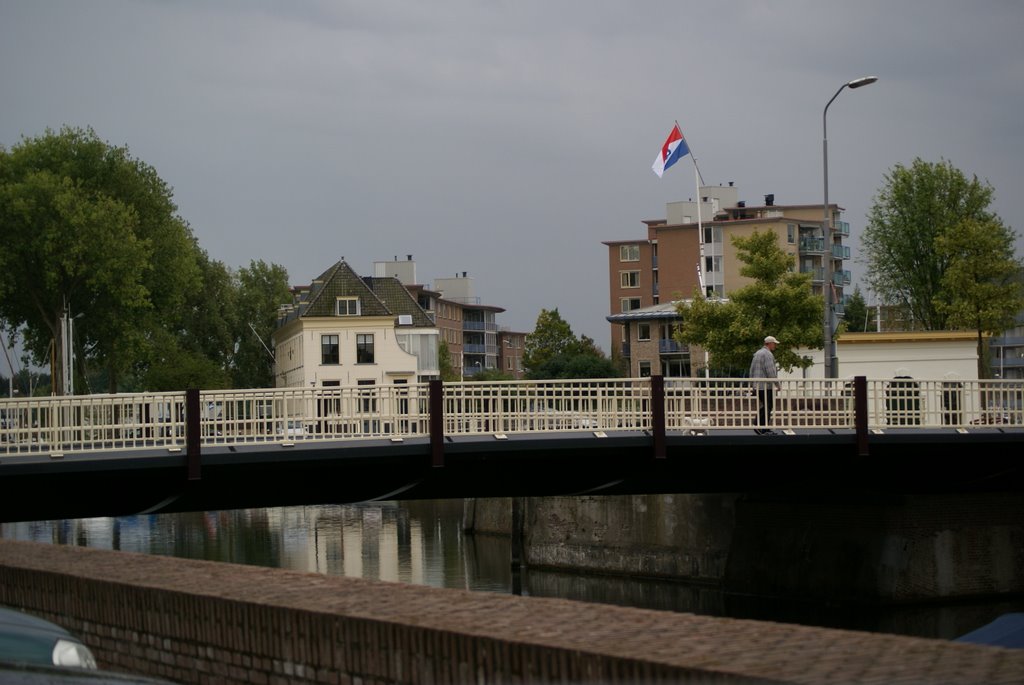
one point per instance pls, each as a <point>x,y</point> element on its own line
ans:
<point>509,138</point>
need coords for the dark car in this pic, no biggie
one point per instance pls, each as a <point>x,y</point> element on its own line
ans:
<point>27,639</point>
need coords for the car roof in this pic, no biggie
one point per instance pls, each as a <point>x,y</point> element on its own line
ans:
<point>19,620</point>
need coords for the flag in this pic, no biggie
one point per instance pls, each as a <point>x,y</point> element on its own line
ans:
<point>672,151</point>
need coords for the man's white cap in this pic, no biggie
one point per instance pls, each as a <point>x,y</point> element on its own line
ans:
<point>771,339</point>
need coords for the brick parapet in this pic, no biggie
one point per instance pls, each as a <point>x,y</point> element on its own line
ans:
<point>196,621</point>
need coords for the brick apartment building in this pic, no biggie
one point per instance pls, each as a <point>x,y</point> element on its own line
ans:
<point>647,275</point>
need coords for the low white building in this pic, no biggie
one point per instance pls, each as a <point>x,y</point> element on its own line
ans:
<point>917,354</point>
<point>349,330</point>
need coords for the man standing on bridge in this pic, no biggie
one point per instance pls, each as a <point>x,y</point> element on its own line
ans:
<point>763,366</point>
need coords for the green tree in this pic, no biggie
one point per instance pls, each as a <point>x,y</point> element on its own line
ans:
<point>984,277</point>
<point>778,302</point>
<point>856,317</point>
<point>551,337</point>
<point>552,350</point>
<point>449,374</point>
<point>488,375</point>
<point>262,289</point>
<point>90,231</point>
<point>914,209</point>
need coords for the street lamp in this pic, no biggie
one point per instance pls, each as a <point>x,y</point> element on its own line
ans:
<point>830,360</point>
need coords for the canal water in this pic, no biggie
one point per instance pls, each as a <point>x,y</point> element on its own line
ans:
<point>423,543</point>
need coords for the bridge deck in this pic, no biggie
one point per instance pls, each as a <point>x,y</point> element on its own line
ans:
<point>121,454</point>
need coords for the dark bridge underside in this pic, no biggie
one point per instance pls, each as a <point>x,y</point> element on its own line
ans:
<point>810,463</point>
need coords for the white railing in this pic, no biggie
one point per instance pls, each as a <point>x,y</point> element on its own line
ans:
<point>88,423</point>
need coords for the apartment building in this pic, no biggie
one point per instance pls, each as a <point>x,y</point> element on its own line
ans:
<point>468,327</point>
<point>691,250</point>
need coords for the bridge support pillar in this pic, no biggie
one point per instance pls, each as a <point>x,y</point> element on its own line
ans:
<point>658,415</point>
<point>436,402</point>
<point>193,438</point>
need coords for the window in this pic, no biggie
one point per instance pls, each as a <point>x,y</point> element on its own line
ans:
<point>402,394</point>
<point>629,253</point>
<point>645,369</point>
<point>629,279</point>
<point>791,233</point>
<point>630,303</point>
<point>643,331</point>
<point>712,234</point>
<point>364,348</point>
<point>348,306</point>
<point>712,265</point>
<point>329,349</point>
<point>367,397</point>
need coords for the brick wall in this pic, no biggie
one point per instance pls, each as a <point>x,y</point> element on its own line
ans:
<point>205,622</point>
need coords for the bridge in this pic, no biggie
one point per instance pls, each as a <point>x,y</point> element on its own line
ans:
<point>120,454</point>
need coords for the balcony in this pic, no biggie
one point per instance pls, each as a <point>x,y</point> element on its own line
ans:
<point>817,273</point>
<point>812,245</point>
<point>841,278</point>
<point>840,252</point>
<point>479,326</point>
<point>842,228</point>
<point>669,346</point>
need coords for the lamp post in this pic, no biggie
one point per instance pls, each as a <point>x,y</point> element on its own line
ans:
<point>831,362</point>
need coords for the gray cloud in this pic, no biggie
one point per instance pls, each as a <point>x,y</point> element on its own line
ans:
<point>508,139</point>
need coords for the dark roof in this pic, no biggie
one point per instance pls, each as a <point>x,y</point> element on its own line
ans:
<point>381,296</point>
<point>665,310</point>
<point>398,300</point>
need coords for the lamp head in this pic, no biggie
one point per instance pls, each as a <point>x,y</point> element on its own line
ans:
<point>862,81</point>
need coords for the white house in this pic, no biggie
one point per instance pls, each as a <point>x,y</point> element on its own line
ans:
<point>349,330</point>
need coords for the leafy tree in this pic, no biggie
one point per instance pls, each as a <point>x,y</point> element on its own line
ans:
<point>91,231</point>
<point>915,208</point>
<point>984,277</point>
<point>449,374</point>
<point>488,375</point>
<point>552,350</point>
<point>778,302</point>
<point>856,318</point>
<point>551,337</point>
<point>262,289</point>
<point>176,368</point>
<point>576,365</point>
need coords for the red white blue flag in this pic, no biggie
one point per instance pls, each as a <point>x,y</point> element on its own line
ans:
<point>672,151</point>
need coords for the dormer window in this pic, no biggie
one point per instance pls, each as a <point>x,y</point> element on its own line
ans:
<point>348,306</point>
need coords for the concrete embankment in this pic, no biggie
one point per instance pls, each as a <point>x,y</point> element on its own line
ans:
<point>886,549</point>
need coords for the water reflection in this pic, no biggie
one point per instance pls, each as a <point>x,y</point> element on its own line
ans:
<point>413,542</point>
<point>423,543</point>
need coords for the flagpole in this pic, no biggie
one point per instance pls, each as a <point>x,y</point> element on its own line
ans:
<point>699,181</point>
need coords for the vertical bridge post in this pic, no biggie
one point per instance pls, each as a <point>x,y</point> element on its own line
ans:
<point>436,403</point>
<point>658,415</point>
<point>193,440</point>
<point>860,414</point>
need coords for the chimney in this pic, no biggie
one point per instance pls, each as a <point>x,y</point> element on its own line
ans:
<point>769,200</point>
